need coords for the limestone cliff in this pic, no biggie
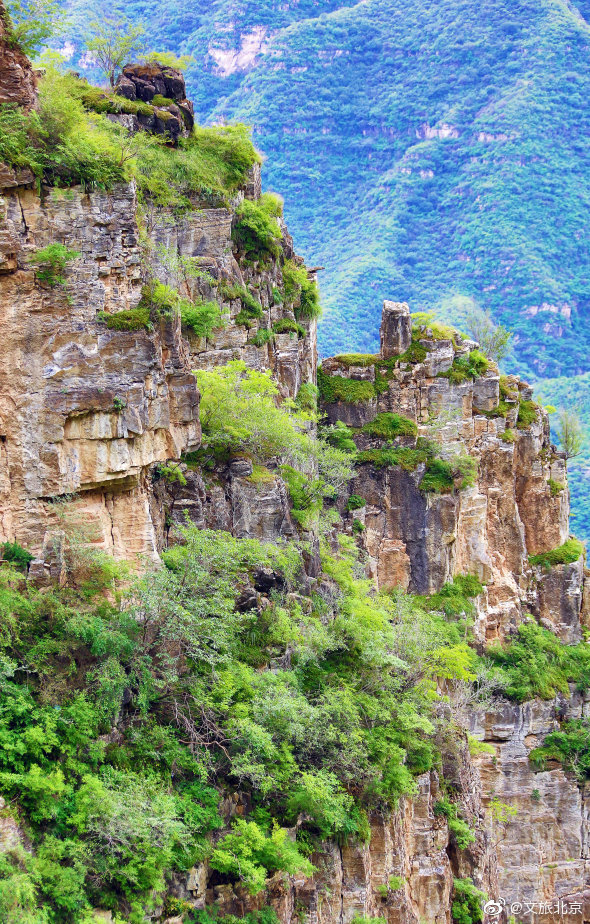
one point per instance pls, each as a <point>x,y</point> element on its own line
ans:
<point>88,412</point>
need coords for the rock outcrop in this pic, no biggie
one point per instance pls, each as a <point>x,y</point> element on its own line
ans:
<point>170,112</point>
<point>516,504</point>
<point>86,412</point>
<point>17,81</point>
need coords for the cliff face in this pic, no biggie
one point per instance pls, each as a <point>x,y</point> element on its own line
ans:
<point>17,82</point>
<point>87,413</point>
<point>516,506</point>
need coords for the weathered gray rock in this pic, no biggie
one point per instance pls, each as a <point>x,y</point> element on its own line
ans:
<point>396,329</point>
<point>439,356</point>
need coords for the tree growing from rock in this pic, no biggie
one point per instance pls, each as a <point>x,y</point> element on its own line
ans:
<point>113,41</point>
<point>494,339</point>
<point>30,24</point>
<point>570,434</point>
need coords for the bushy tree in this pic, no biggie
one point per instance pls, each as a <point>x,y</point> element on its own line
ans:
<point>112,41</point>
<point>239,410</point>
<point>494,339</point>
<point>570,434</point>
<point>33,22</point>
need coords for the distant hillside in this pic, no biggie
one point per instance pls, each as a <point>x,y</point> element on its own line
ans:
<point>426,150</point>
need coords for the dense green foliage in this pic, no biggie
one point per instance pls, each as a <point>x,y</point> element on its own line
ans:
<point>199,316</point>
<point>565,554</point>
<point>570,745</point>
<point>455,598</point>
<point>467,902</point>
<point>536,663</point>
<point>51,262</point>
<point>239,411</point>
<point>18,556</point>
<point>337,388</point>
<point>131,319</point>
<point>301,292</point>
<point>387,426</point>
<point>256,231</point>
<point>458,827</point>
<point>466,367</point>
<point>182,670</point>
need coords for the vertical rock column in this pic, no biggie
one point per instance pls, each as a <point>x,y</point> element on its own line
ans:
<point>396,329</point>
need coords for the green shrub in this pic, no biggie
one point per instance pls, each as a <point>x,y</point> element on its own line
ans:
<point>17,555</point>
<point>536,664</point>
<point>570,745</point>
<point>416,352</point>
<point>200,317</point>
<point>438,477</point>
<point>307,397</point>
<point>304,492</point>
<point>287,326</point>
<point>407,458</point>
<point>169,472</point>
<point>462,833</point>
<point>466,367</point>
<point>51,263</point>
<point>465,469</point>
<point>455,598</point>
<point>262,337</point>
<point>320,795</point>
<point>527,414</point>
<point>256,230</point>
<point>238,411</point>
<point>387,426</point>
<point>467,902</point>
<point>565,554</point>
<point>428,320</point>
<point>251,307</point>
<point>355,502</point>
<point>358,526</point>
<point>337,388</point>
<point>508,436</point>
<point>249,855</point>
<point>300,291</point>
<point>556,487</point>
<point>340,436</point>
<point>133,319</point>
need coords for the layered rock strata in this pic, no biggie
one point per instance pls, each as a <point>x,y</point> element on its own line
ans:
<point>517,505</point>
<point>86,412</point>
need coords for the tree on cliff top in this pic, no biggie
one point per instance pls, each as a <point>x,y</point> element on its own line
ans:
<point>570,434</point>
<point>112,41</point>
<point>30,24</point>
